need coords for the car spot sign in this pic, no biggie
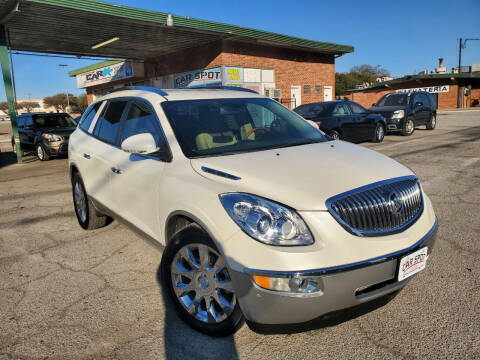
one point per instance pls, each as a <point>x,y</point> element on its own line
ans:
<point>198,78</point>
<point>429,89</point>
<point>119,71</point>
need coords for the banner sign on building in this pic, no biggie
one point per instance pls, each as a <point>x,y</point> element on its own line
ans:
<point>199,78</point>
<point>122,70</point>
<point>429,89</point>
<point>233,75</point>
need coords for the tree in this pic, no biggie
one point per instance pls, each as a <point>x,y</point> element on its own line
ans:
<point>28,106</point>
<point>4,106</point>
<point>358,75</point>
<point>80,103</point>
<point>58,101</point>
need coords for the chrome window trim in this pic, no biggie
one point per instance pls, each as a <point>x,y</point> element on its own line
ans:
<point>368,187</point>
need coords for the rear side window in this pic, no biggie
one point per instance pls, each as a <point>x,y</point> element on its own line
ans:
<point>426,100</point>
<point>357,109</point>
<point>21,121</point>
<point>88,118</point>
<point>108,123</point>
<point>141,119</point>
<point>340,110</point>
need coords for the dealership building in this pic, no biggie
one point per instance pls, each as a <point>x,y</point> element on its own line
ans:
<point>444,89</point>
<point>288,69</point>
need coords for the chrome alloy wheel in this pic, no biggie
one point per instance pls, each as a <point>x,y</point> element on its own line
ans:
<point>202,283</point>
<point>80,201</point>
<point>410,126</point>
<point>380,132</point>
<point>433,121</point>
<point>40,152</point>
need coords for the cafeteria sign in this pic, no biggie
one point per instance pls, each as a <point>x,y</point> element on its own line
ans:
<point>199,78</point>
<point>429,89</point>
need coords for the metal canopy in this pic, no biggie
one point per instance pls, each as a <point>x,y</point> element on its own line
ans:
<point>73,26</point>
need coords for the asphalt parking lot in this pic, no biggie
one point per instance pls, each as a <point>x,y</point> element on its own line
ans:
<point>70,294</point>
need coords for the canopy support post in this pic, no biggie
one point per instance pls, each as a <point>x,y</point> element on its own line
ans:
<point>7,80</point>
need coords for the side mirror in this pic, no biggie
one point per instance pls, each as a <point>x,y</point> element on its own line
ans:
<point>140,144</point>
<point>418,104</point>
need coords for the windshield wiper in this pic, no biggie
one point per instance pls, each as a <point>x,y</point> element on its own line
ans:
<point>298,143</point>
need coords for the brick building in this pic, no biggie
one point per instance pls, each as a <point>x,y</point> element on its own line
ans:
<point>443,88</point>
<point>291,70</point>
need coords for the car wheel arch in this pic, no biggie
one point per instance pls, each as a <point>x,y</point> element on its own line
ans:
<point>180,219</point>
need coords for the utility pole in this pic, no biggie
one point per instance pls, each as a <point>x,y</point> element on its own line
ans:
<point>459,93</point>
<point>66,91</point>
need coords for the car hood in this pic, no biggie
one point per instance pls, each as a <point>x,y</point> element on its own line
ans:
<point>302,177</point>
<point>58,131</point>
<point>385,109</point>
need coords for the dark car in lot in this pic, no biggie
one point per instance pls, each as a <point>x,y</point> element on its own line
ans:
<point>346,120</point>
<point>45,133</point>
<point>405,111</point>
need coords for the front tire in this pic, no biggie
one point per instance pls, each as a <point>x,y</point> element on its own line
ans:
<point>432,123</point>
<point>408,127</point>
<point>87,215</point>
<point>41,153</point>
<point>379,133</point>
<point>196,278</point>
<point>22,152</point>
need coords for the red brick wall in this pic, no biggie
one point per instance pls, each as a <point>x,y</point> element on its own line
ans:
<point>445,100</point>
<point>292,67</point>
<point>474,95</point>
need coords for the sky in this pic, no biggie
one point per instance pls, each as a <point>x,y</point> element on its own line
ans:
<point>404,37</point>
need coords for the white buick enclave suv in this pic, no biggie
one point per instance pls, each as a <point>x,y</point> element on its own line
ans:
<point>262,217</point>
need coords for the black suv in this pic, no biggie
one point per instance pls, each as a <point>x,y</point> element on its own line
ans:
<point>45,133</point>
<point>346,120</point>
<point>405,111</point>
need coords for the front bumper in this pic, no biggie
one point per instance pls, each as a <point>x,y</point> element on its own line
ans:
<point>341,287</point>
<point>394,125</point>
<point>56,148</point>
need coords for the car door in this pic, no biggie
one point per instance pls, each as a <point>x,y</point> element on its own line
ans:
<point>29,132</point>
<point>134,185</point>
<point>102,149</point>
<point>344,121</point>
<point>418,109</point>
<point>365,124</point>
<point>21,136</point>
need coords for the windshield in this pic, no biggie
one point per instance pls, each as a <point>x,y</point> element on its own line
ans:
<point>212,127</point>
<point>393,100</point>
<point>45,121</point>
<point>311,111</point>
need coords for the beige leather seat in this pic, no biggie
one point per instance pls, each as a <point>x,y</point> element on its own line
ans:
<point>206,141</point>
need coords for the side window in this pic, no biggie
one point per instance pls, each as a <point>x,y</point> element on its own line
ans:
<point>417,98</point>
<point>28,121</point>
<point>88,118</point>
<point>141,119</point>
<point>21,121</point>
<point>341,110</point>
<point>426,100</point>
<point>357,109</point>
<point>108,123</point>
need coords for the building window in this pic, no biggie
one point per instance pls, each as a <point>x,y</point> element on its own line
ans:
<point>318,89</point>
<point>306,89</point>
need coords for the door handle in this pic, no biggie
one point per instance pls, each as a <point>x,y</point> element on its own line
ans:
<point>116,171</point>
<point>86,156</point>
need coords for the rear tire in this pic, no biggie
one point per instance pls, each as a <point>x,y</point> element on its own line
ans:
<point>87,216</point>
<point>408,127</point>
<point>379,133</point>
<point>15,149</point>
<point>432,123</point>
<point>41,153</point>
<point>196,286</point>
<point>334,135</point>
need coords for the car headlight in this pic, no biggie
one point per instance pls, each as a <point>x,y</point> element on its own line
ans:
<point>51,137</point>
<point>266,221</point>
<point>398,114</point>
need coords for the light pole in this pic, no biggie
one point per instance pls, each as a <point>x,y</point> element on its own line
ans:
<point>461,45</point>
<point>66,92</point>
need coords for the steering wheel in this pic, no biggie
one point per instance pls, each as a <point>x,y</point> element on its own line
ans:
<point>251,131</point>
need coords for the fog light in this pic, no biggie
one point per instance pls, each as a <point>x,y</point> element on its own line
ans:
<point>296,285</point>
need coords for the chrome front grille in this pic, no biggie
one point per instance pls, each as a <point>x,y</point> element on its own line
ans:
<point>379,209</point>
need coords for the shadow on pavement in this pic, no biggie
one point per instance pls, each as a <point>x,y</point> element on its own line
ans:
<point>9,158</point>
<point>182,342</point>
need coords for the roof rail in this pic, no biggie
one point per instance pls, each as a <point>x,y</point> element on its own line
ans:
<point>143,88</point>
<point>234,88</point>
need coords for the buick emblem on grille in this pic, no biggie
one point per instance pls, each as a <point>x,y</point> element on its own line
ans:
<point>396,203</point>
